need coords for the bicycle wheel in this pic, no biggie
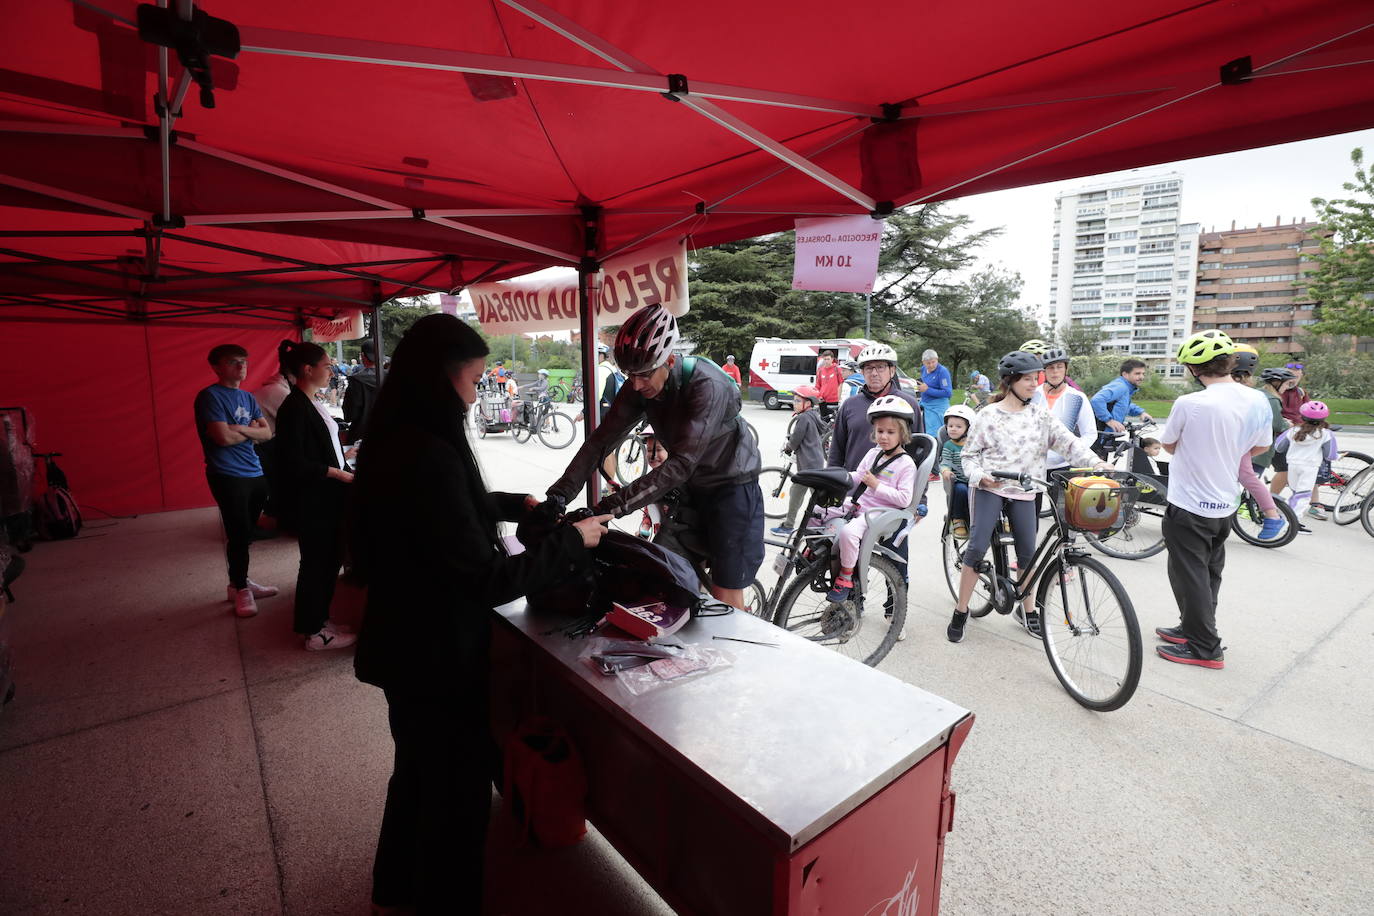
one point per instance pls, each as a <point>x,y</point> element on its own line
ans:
<point>559,394</point>
<point>557,430</point>
<point>952,549</point>
<point>1367,514</point>
<point>776,484</point>
<point>1344,469</point>
<point>1091,635</point>
<point>1346,508</point>
<point>753,432</point>
<point>1248,520</point>
<point>629,459</point>
<point>756,600</point>
<point>862,630</point>
<point>1143,534</point>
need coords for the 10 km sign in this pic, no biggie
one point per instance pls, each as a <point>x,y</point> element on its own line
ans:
<point>837,254</point>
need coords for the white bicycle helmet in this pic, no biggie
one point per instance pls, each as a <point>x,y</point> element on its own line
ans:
<point>646,341</point>
<point>877,353</point>
<point>889,405</point>
<point>543,372</point>
<point>962,411</point>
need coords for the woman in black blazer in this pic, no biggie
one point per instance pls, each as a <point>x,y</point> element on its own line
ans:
<point>425,540</point>
<point>313,466</point>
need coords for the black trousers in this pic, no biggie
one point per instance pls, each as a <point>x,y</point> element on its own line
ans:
<point>320,535</point>
<point>240,501</point>
<point>1197,555</point>
<point>434,829</point>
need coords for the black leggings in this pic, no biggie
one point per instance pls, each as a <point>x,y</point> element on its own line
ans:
<point>240,501</point>
<point>987,508</point>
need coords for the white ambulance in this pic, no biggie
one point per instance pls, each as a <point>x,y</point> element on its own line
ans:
<point>778,366</point>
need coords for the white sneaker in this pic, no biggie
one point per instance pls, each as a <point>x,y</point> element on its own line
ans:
<point>329,638</point>
<point>244,605</point>
<point>901,634</point>
<point>259,591</point>
<point>1318,513</point>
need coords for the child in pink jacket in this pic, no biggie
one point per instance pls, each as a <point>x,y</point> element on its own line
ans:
<point>885,479</point>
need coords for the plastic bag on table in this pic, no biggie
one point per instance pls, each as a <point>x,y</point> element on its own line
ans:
<point>642,667</point>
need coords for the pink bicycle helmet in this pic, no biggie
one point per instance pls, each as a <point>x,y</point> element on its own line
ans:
<point>1314,410</point>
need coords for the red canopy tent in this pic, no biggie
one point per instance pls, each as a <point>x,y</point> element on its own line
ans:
<point>358,151</point>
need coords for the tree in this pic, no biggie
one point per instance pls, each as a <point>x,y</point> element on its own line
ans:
<point>1080,339</point>
<point>972,325</point>
<point>1343,283</point>
<point>742,290</point>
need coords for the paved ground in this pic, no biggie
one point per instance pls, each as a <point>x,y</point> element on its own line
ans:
<point>164,757</point>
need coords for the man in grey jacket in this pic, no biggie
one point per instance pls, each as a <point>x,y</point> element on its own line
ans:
<point>712,458</point>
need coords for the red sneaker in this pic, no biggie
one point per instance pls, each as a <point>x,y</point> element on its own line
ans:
<point>1184,655</point>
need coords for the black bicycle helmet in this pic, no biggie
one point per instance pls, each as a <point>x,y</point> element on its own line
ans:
<point>1247,358</point>
<point>1019,362</point>
<point>1277,374</point>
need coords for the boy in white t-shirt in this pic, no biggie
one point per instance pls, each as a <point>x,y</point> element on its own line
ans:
<point>1208,433</point>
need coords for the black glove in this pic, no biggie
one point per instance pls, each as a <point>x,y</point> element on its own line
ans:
<point>577,515</point>
<point>540,520</point>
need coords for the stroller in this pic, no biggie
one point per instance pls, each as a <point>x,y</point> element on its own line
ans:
<point>495,413</point>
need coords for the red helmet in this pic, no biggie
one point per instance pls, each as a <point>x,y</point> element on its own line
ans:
<point>810,392</point>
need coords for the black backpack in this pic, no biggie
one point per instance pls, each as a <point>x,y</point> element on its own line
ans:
<point>57,514</point>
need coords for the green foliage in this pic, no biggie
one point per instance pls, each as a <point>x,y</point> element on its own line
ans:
<point>1095,370</point>
<point>743,290</point>
<point>1077,339</point>
<point>971,326</point>
<point>1343,283</point>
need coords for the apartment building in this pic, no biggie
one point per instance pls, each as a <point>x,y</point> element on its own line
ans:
<point>1123,262</point>
<point>1247,283</point>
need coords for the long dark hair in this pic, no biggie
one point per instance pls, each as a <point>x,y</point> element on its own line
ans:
<point>1308,428</point>
<point>418,393</point>
<point>295,355</point>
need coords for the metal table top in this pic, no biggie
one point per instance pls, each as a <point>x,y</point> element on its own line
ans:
<point>791,738</point>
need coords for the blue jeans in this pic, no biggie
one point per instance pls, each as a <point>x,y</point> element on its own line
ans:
<point>958,501</point>
<point>935,415</point>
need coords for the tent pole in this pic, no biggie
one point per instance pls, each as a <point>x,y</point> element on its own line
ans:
<point>378,353</point>
<point>587,292</point>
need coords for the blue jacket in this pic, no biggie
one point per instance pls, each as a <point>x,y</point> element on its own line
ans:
<point>940,385</point>
<point>1113,402</point>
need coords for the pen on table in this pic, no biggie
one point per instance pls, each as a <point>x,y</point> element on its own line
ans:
<point>750,641</point>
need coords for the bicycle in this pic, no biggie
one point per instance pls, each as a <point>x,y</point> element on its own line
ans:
<point>775,483</point>
<point>559,394</point>
<point>1248,519</point>
<point>1142,536</point>
<point>827,431</point>
<point>1087,621</point>
<point>629,452</point>
<point>1349,501</point>
<point>1367,515</point>
<point>868,624</point>
<point>555,429</point>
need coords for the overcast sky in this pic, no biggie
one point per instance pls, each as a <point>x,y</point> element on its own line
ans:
<point>1251,187</point>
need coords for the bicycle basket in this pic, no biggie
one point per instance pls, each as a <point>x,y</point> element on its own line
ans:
<point>1094,503</point>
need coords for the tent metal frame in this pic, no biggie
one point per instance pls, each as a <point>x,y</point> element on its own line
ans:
<point>626,72</point>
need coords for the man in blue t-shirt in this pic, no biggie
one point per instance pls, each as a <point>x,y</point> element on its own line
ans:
<point>228,422</point>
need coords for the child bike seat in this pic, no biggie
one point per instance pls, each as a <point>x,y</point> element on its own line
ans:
<point>830,481</point>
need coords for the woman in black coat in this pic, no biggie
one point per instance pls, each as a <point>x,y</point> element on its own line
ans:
<point>313,467</point>
<point>425,541</point>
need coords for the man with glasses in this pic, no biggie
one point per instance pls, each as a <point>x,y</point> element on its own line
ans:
<point>713,460</point>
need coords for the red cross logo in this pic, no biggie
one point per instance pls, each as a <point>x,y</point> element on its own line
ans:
<point>763,364</point>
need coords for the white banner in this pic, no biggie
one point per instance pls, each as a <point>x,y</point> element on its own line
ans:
<point>837,254</point>
<point>348,326</point>
<point>652,276</point>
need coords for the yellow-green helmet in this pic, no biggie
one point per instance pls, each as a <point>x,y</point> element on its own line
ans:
<point>1034,345</point>
<point>1205,346</point>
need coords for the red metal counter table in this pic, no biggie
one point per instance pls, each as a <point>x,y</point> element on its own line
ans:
<point>794,781</point>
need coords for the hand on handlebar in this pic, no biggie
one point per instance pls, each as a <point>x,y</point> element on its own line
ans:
<point>1116,426</point>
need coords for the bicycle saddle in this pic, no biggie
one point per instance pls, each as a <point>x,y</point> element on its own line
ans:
<point>832,481</point>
